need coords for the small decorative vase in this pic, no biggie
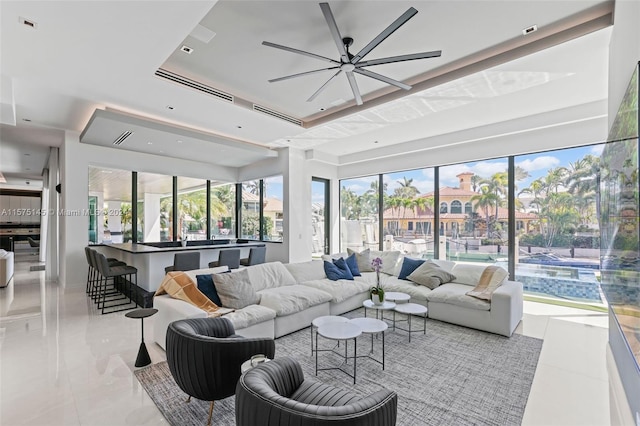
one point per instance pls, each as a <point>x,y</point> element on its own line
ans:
<point>376,299</point>
<point>184,243</point>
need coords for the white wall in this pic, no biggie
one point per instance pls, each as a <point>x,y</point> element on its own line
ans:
<point>75,158</point>
<point>624,51</point>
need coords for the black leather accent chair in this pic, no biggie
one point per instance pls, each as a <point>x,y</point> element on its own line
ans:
<point>205,355</point>
<point>184,262</point>
<point>276,393</point>
<point>257,255</point>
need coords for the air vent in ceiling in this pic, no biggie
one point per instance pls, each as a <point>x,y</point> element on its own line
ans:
<point>277,114</point>
<point>193,85</point>
<point>122,137</point>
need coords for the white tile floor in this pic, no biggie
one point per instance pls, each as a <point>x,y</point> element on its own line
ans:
<point>62,363</point>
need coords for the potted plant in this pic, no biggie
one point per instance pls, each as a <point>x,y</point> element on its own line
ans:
<point>377,292</point>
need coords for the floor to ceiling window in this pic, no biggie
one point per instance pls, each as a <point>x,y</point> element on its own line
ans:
<point>320,219</point>
<point>408,212</point>
<point>110,201</point>
<point>474,220</point>
<point>192,209</point>
<point>558,253</point>
<point>223,211</point>
<point>155,214</point>
<point>359,213</point>
<point>272,210</point>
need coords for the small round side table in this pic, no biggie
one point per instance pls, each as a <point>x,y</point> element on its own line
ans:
<point>143,355</point>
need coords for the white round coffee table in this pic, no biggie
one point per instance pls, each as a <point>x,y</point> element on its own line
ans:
<point>317,322</point>
<point>410,309</point>
<point>341,331</point>
<point>385,306</point>
<point>372,326</point>
<point>396,296</point>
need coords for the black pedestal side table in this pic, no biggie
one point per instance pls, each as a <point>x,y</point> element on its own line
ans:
<point>143,355</point>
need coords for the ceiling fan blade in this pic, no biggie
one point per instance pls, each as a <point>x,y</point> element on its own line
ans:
<point>401,58</point>
<point>354,87</point>
<point>383,78</point>
<point>300,52</point>
<point>335,33</point>
<point>322,87</point>
<point>300,74</point>
<point>384,34</point>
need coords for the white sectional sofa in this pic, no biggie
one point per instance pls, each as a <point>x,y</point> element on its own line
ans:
<point>292,295</point>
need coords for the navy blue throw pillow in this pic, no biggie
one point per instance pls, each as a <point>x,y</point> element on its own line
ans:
<point>334,272</point>
<point>342,264</point>
<point>352,263</point>
<point>408,266</point>
<point>208,288</point>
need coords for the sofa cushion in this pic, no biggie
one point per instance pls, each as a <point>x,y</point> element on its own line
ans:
<point>250,315</point>
<point>391,261</point>
<point>417,292</point>
<point>492,278</point>
<point>337,270</point>
<point>179,285</point>
<point>363,259</point>
<point>408,266</point>
<point>269,275</point>
<point>235,289</point>
<point>307,271</point>
<point>352,264</point>
<point>208,288</point>
<point>340,290</point>
<point>291,299</point>
<point>467,274</point>
<point>447,265</point>
<point>456,294</point>
<point>431,275</point>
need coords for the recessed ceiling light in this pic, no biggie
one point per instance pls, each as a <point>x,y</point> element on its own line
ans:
<point>28,22</point>
<point>186,49</point>
<point>375,141</point>
<point>149,143</point>
<point>28,120</point>
<point>239,127</point>
<point>161,152</point>
<point>169,107</point>
<point>27,168</point>
<point>179,141</point>
<point>322,109</point>
<point>530,29</point>
<point>27,154</point>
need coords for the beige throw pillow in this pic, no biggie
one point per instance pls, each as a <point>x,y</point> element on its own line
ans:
<point>492,277</point>
<point>363,259</point>
<point>430,275</point>
<point>235,289</point>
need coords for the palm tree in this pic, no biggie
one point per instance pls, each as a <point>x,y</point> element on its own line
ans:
<point>420,206</point>
<point>536,189</point>
<point>555,178</point>
<point>475,182</point>
<point>485,200</point>
<point>252,186</point>
<point>498,184</point>
<point>407,189</point>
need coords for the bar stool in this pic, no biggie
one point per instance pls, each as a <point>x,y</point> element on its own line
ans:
<point>106,271</point>
<point>257,255</point>
<point>228,257</point>
<point>184,262</point>
<point>92,272</point>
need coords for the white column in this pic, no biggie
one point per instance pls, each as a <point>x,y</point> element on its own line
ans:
<point>151,217</point>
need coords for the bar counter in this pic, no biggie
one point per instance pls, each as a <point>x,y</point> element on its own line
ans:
<point>151,261</point>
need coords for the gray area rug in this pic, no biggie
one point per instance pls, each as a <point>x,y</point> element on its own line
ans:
<point>450,376</point>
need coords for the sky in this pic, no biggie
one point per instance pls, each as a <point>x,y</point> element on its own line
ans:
<point>537,165</point>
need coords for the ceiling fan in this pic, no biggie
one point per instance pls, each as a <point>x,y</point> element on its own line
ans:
<point>349,63</point>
